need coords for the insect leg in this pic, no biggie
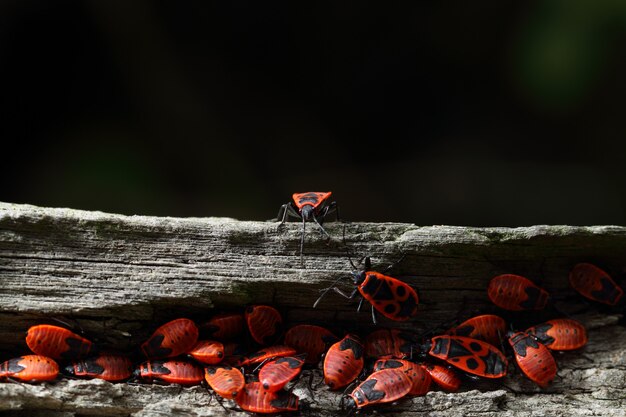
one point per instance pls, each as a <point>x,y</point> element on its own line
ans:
<point>321,227</point>
<point>374,316</point>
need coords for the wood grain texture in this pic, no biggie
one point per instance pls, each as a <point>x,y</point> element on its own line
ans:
<point>119,277</point>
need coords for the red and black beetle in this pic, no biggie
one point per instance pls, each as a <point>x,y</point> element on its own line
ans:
<point>256,399</point>
<point>30,368</point>
<point>470,355</point>
<point>419,375</point>
<point>209,352</point>
<point>171,339</point>
<point>389,296</point>
<point>393,343</point>
<point>264,323</point>
<point>109,367</point>
<point>57,342</point>
<point>226,381</point>
<point>343,362</point>
<point>560,334</point>
<point>277,351</point>
<point>446,378</point>
<point>171,371</point>
<point>487,327</point>
<point>224,326</point>
<point>516,293</point>
<point>308,206</point>
<point>533,358</point>
<point>277,373</point>
<point>310,339</point>
<point>384,386</point>
<point>595,284</point>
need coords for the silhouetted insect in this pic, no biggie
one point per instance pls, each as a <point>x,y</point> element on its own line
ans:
<point>380,387</point>
<point>533,358</point>
<point>226,381</point>
<point>470,355</point>
<point>57,342</point>
<point>389,343</point>
<point>308,206</point>
<point>264,354</point>
<point>256,399</point>
<point>343,362</point>
<point>560,334</point>
<point>264,323</point>
<point>516,293</point>
<point>224,326</point>
<point>446,378</point>
<point>30,368</point>
<point>171,339</point>
<point>418,373</point>
<point>391,297</point>
<point>595,284</point>
<point>310,339</point>
<point>277,373</point>
<point>109,367</point>
<point>233,353</point>
<point>209,352</point>
<point>171,371</point>
<point>487,327</point>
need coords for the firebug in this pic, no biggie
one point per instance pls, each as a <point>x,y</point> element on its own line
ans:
<point>226,381</point>
<point>389,296</point>
<point>264,322</point>
<point>171,339</point>
<point>533,358</point>
<point>110,367</point>
<point>256,399</point>
<point>560,334</point>
<point>170,371</point>
<point>595,284</point>
<point>30,368</point>
<point>343,362</point>
<point>57,342</point>
<point>308,206</point>
<point>516,293</point>
<point>470,355</point>
<point>310,339</point>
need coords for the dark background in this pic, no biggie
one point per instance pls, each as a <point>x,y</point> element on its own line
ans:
<point>469,113</point>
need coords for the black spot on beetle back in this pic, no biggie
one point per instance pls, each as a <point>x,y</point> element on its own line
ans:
<point>13,365</point>
<point>153,348</point>
<point>457,349</point>
<point>354,345</point>
<point>607,293</point>
<point>91,367</point>
<point>370,393</point>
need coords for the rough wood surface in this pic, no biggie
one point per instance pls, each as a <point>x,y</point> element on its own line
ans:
<point>121,276</point>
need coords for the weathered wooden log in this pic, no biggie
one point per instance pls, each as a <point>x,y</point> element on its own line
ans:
<point>119,277</point>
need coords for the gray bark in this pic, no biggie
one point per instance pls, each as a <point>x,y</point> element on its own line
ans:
<point>119,277</point>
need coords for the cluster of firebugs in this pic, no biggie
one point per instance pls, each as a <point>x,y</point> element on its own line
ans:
<point>386,365</point>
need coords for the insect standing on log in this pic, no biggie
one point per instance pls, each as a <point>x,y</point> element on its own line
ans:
<point>308,206</point>
<point>391,297</point>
